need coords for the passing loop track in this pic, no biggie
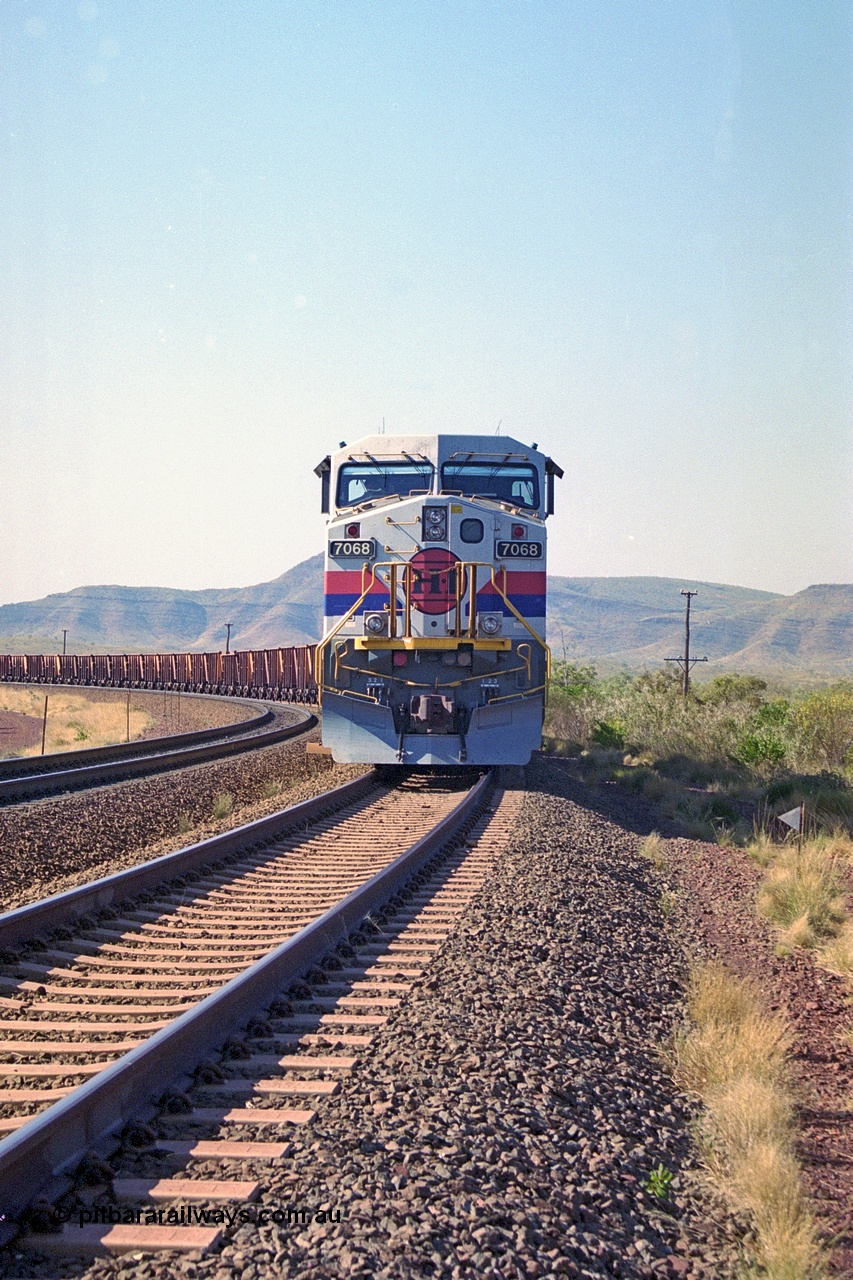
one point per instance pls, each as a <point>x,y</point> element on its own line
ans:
<point>26,779</point>
<point>96,1026</point>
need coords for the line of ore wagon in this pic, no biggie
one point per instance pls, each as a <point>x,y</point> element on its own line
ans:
<point>284,675</point>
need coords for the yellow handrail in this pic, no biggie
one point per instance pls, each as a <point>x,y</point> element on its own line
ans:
<point>466,581</point>
<point>325,642</point>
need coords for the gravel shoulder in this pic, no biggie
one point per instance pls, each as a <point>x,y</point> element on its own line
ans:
<point>63,841</point>
<point>176,712</point>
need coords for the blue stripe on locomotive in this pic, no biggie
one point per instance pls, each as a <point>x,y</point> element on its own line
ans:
<point>529,606</point>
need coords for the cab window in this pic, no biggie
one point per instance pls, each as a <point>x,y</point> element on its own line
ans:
<point>369,481</point>
<point>514,483</point>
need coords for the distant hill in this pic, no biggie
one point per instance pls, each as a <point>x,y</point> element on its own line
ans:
<point>616,622</point>
<point>633,622</point>
<point>288,610</point>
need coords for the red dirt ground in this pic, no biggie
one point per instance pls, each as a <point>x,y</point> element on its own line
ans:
<point>719,887</point>
<point>18,732</point>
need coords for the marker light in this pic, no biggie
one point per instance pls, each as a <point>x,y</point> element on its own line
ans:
<point>375,624</point>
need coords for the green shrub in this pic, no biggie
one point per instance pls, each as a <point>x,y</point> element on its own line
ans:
<point>719,810</point>
<point>765,741</point>
<point>568,719</point>
<point>607,733</point>
<point>728,689</point>
<point>573,696</point>
<point>822,725</point>
<point>764,750</point>
<point>723,735</point>
<point>574,681</point>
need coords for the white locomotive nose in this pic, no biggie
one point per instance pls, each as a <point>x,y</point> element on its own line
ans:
<point>434,647</point>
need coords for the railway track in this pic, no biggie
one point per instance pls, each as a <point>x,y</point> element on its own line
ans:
<point>24,779</point>
<point>153,974</point>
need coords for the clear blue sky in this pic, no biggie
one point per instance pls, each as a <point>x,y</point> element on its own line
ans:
<point>236,232</point>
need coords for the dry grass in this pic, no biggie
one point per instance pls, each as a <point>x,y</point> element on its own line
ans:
<point>668,902</point>
<point>836,954</point>
<point>73,721</point>
<point>654,848</point>
<point>223,803</point>
<point>762,848</point>
<point>660,790</point>
<point>734,1056</point>
<point>803,893</point>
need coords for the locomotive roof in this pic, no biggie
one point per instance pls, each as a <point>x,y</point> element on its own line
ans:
<point>439,448</point>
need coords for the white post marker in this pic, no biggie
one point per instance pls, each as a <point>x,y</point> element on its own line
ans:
<point>796,820</point>
<point>793,818</point>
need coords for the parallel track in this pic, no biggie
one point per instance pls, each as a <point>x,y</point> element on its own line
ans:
<point>120,1008</point>
<point>46,775</point>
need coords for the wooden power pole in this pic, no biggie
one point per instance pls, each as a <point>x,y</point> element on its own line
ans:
<point>685,662</point>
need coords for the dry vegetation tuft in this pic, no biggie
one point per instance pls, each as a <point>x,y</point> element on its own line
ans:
<point>803,892</point>
<point>223,804</point>
<point>654,848</point>
<point>836,954</point>
<point>734,1057</point>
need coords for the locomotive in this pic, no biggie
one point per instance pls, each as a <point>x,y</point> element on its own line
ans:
<point>433,648</point>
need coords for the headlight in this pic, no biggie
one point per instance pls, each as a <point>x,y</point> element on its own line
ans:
<point>375,624</point>
<point>435,524</point>
<point>490,624</point>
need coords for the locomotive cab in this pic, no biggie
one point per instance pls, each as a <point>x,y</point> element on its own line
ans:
<point>433,648</point>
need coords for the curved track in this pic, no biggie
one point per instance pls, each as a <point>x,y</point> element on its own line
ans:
<point>24,779</point>
<point>94,1027</point>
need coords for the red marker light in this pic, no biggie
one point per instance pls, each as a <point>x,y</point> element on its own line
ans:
<point>518,530</point>
<point>353,530</point>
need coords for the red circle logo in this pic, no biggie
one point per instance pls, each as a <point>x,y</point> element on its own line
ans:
<point>434,580</point>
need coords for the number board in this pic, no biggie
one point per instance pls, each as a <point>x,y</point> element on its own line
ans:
<point>518,550</point>
<point>354,548</point>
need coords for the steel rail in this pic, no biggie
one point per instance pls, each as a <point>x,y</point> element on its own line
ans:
<point>17,765</point>
<point>38,784</point>
<point>48,1147</point>
<point>25,923</point>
